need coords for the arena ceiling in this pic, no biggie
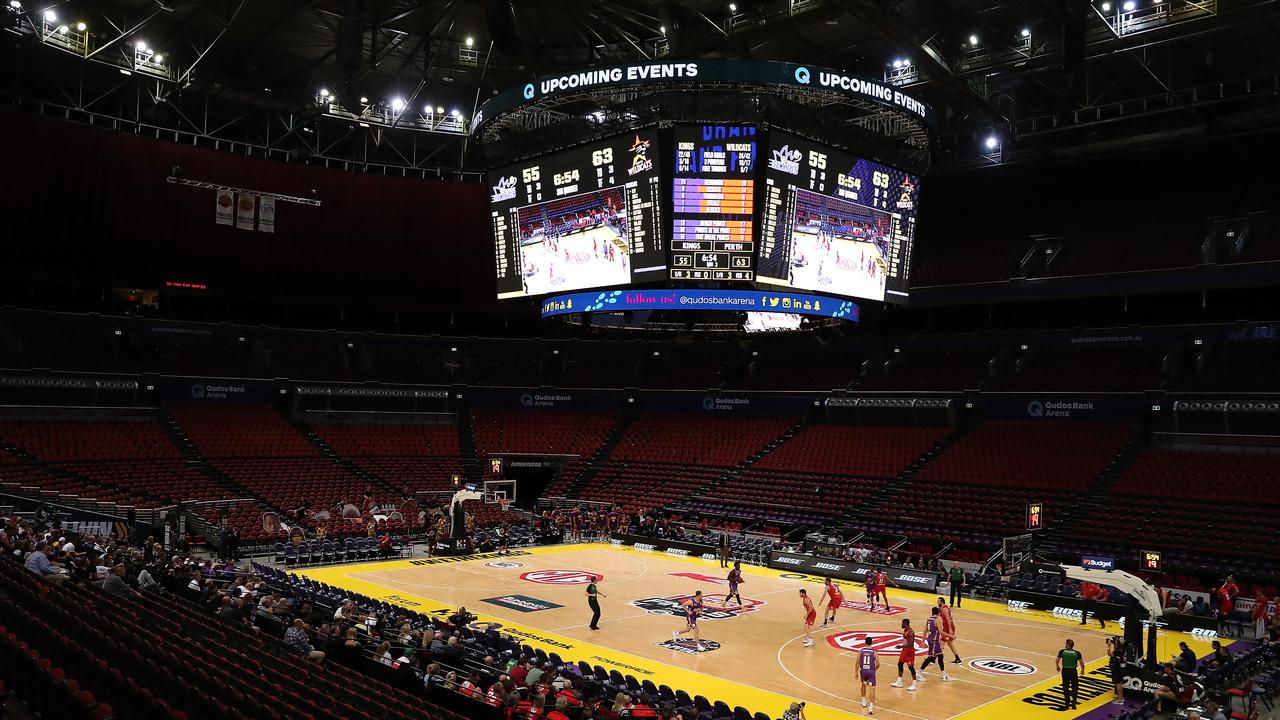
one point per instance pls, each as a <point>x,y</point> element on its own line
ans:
<point>388,85</point>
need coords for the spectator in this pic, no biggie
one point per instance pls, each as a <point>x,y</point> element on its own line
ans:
<point>795,712</point>
<point>452,653</point>
<point>1170,689</point>
<point>383,653</point>
<point>1219,657</point>
<point>1201,607</point>
<point>1212,711</point>
<point>296,638</point>
<point>562,710</point>
<point>533,676</point>
<point>520,672</point>
<point>147,583</point>
<point>114,583</point>
<point>38,563</point>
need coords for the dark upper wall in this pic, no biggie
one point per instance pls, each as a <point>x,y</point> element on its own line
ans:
<point>92,206</point>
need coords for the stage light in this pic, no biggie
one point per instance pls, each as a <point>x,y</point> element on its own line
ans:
<point>157,58</point>
<point>470,41</point>
<point>81,27</point>
<point>62,29</point>
<point>125,72</point>
<point>1129,6</point>
<point>906,62</point>
<point>1106,7</point>
<point>897,63</point>
<point>733,8</point>
<point>141,46</point>
<point>397,104</point>
<point>992,142</point>
<point>50,16</point>
<point>324,92</point>
<point>364,100</point>
<point>1026,32</point>
<point>662,29</point>
<point>454,112</point>
<point>15,5</point>
<point>439,110</point>
<point>973,40</point>
<point>426,108</point>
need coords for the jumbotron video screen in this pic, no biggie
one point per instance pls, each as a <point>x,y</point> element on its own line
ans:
<point>581,218</point>
<point>835,223</point>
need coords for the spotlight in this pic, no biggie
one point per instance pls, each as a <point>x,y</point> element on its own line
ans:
<point>897,63</point>
<point>364,100</point>
<point>662,29</point>
<point>992,142</point>
<point>81,27</point>
<point>906,62</point>
<point>324,92</point>
<point>49,15</point>
<point>1106,7</point>
<point>397,104</point>
<point>157,58</point>
<point>1026,32</point>
<point>62,29</point>
<point>470,41</point>
<point>454,112</point>
<point>1129,6</point>
<point>439,110</point>
<point>733,8</point>
<point>15,5</point>
<point>427,108</point>
<point>973,40</point>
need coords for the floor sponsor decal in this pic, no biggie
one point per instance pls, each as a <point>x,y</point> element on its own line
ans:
<point>884,643</point>
<point>689,647</point>
<point>1093,684</point>
<point>878,609</point>
<point>561,577</point>
<point>521,603</point>
<point>504,564</point>
<point>714,607</point>
<point>715,579</point>
<point>1000,666</point>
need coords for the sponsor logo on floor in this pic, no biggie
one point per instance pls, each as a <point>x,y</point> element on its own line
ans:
<point>884,643</point>
<point>714,579</point>
<point>714,607</point>
<point>1000,666</point>
<point>521,603</point>
<point>561,577</point>
<point>504,564</point>
<point>878,609</point>
<point>689,647</point>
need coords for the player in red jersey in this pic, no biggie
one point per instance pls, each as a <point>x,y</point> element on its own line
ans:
<point>810,617</point>
<point>948,628</point>
<point>833,599</point>
<point>907,655</point>
<point>882,580</point>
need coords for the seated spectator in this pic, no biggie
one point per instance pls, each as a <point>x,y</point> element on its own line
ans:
<point>561,712</point>
<point>114,583</point>
<point>1186,660</point>
<point>383,653</point>
<point>296,638</point>
<point>452,652</point>
<point>1170,691</point>
<point>146,583</point>
<point>1219,657</point>
<point>38,563</point>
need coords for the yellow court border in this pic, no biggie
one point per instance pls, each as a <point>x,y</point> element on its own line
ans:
<point>1027,704</point>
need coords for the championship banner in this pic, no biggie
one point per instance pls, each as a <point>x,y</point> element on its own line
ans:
<point>267,215</point>
<point>907,578</point>
<point>224,212</point>
<point>245,205</point>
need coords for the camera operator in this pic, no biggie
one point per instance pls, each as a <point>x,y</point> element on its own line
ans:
<point>462,618</point>
<point>795,712</point>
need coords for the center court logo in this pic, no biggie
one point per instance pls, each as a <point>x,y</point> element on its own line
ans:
<point>689,647</point>
<point>786,160</point>
<point>714,607</point>
<point>1001,666</point>
<point>560,577</point>
<point>802,75</point>
<point>884,643</point>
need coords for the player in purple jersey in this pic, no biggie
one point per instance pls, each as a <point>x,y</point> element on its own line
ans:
<point>735,579</point>
<point>933,638</point>
<point>868,664</point>
<point>692,609</point>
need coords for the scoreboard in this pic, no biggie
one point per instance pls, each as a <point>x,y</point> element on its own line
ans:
<point>585,217</point>
<point>836,223</point>
<point>713,203</point>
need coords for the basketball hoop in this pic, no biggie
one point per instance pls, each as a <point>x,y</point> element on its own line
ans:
<point>503,504</point>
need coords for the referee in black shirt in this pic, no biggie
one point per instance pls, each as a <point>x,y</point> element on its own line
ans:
<point>593,602</point>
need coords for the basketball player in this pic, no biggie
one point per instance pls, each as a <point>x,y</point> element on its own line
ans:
<point>882,580</point>
<point>948,629</point>
<point>868,664</point>
<point>933,638</point>
<point>907,655</point>
<point>810,617</point>
<point>735,579</point>
<point>833,599</point>
<point>871,589</point>
<point>692,609</point>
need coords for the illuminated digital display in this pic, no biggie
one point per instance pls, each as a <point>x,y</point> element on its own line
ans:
<point>713,203</point>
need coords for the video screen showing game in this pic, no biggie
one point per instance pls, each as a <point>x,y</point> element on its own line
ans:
<point>835,223</point>
<point>582,218</point>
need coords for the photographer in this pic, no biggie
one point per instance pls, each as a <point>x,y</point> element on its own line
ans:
<point>1115,664</point>
<point>462,618</point>
<point>795,712</point>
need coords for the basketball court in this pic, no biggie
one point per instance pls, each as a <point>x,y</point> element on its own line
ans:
<point>580,261</point>
<point>754,655</point>
<point>849,266</point>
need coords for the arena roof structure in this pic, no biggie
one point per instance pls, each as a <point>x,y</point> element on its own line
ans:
<point>393,86</point>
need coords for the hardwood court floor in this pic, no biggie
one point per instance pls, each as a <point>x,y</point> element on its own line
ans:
<point>758,660</point>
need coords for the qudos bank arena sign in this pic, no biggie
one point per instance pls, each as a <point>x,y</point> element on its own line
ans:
<point>694,72</point>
